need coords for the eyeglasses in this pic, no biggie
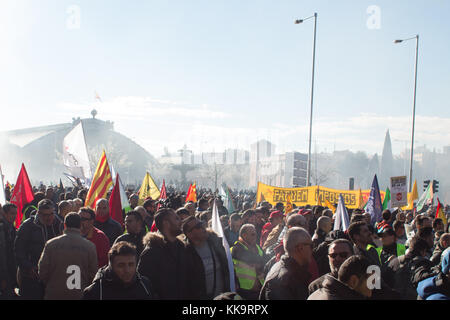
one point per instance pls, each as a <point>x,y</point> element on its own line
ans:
<point>340,254</point>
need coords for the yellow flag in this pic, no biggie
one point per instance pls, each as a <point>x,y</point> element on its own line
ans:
<point>413,195</point>
<point>148,189</point>
<point>319,202</point>
<point>361,200</point>
<point>101,182</point>
<point>330,206</point>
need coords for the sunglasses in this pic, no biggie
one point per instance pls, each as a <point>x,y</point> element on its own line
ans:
<point>340,254</point>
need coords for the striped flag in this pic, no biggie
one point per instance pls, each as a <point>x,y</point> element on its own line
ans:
<point>101,182</point>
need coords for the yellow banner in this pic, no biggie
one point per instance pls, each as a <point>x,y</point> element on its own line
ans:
<point>310,195</point>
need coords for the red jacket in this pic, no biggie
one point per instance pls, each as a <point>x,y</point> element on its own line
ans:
<point>101,242</point>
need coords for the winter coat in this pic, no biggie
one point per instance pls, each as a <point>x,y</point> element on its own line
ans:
<point>437,253</point>
<point>197,276</point>
<point>135,239</point>
<point>166,265</point>
<point>333,289</point>
<point>318,237</point>
<point>405,272</point>
<point>434,288</point>
<point>59,256</point>
<point>106,286</point>
<point>8,265</point>
<point>111,228</point>
<point>30,241</point>
<point>272,236</point>
<point>318,283</point>
<point>287,280</point>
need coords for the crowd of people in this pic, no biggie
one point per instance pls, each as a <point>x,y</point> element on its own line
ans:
<point>167,250</point>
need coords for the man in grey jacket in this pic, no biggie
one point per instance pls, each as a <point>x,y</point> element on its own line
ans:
<point>68,263</point>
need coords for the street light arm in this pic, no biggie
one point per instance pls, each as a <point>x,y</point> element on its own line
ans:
<point>303,20</point>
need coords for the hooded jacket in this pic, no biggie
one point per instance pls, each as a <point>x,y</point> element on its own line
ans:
<point>166,265</point>
<point>333,289</point>
<point>135,239</point>
<point>107,286</point>
<point>197,278</point>
<point>287,280</point>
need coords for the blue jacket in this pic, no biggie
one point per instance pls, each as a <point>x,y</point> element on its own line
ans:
<point>431,289</point>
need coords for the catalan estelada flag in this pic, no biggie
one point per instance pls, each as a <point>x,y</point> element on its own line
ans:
<point>192,193</point>
<point>101,182</point>
<point>148,189</point>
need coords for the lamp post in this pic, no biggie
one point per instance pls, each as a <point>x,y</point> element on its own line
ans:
<point>414,107</point>
<point>308,171</point>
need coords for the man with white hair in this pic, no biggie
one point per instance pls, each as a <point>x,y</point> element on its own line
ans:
<point>288,279</point>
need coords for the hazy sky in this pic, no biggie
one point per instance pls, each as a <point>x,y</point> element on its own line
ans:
<point>217,74</point>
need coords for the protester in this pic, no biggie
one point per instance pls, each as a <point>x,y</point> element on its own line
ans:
<point>105,223</point>
<point>288,279</point>
<point>248,261</point>
<point>209,274</point>
<point>351,283</point>
<point>231,232</point>
<point>361,237</point>
<point>338,251</point>
<point>96,236</point>
<point>390,247</point>
<point>276,218</point>
<point>68,262</point>
<point>134,226</point>
<point>165,260</point>
<point>30,241</point>
<point>119,280</point>
<point>444,243</point>
<point>148,219</point>
<point>405,272</point>
<point>64,207</point>
<point>8,265</point>
<point>324,226</point>
<point>437,287</point>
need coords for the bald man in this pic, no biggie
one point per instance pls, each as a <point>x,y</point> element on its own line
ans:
<point>103,221</point>
<point>288,279</point>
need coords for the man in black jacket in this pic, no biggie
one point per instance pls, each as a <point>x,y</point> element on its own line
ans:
<point>135,231</point>
<point>165,260</point>
<point>119,280</point>
<point>8,266</point>
<point>105,223</point>
<point>210,275</point>
<point>351,283</point>
<point>30,241</point>
<point>288,278</point>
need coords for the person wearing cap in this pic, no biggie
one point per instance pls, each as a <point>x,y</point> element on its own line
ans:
<point>390,247</point>
<point>437,287</point>
<point>276,218</point>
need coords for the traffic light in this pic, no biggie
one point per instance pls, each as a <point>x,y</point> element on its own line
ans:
<point>435,186</point>
<point>425,184</point>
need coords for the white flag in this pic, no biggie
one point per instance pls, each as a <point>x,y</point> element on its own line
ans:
<point>2,189</point>
<point>123,196</point>
<point>75,155</point>
<point>341,221</point>
<point>217,227</point>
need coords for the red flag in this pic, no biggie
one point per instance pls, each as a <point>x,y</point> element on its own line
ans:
<point>22,194</point>
<point>192,193</point>
<point>115,205</point>
<point>163,194</point>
